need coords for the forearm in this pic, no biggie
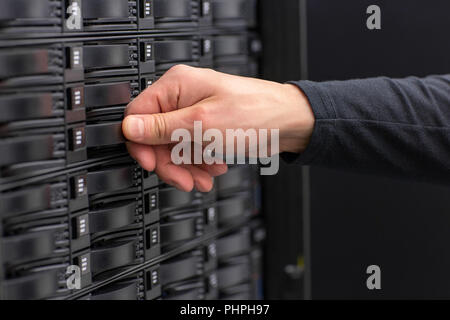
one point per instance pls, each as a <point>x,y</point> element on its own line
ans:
<point>389,126</point>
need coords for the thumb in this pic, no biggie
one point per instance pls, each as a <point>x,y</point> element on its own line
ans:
<point>157,128</point>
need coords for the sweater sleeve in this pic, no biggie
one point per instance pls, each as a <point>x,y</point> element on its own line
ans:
<point>395,127</point>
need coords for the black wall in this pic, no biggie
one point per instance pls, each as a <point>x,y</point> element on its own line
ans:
<point>360,220</point>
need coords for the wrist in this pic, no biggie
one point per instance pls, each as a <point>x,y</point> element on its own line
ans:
<point>296,135</point>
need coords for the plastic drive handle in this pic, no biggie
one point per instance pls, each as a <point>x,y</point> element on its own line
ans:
<point>171,197</point>
<point>229,9</point>
<point>16,9</point>
<point>25,149</point>
<point>230,45</point>
<point>118,291</point>
<point>236,177</point>
<point>239,296</point>
<point>112,216</point>
<point>104,134</point>
<point>172,9</point>
<point>177,231</point>
<point>233,244</point>
<point>38,285</point>
<point>172,51</point>
<point>20,63</point>
<point>93,9</point>
<point>29,246</point>
<point>179,270</point>
<point>233,275</point>
<point>194,294</point>
<point>112,256</point>
<point>231,209</point>
<point>110,180</point>
<point>26,106</point>
<point>239,289</point>
<point>99,95</point>
<point>106,56</point>
<point>25,200</point>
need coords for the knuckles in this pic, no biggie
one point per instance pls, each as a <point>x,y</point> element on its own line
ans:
<point>156,126</point>
<point>201,113</point>
<point>179,69</point>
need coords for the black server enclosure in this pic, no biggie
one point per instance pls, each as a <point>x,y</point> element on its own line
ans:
<point>80,219</point>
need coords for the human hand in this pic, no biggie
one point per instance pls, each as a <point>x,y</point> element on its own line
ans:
<point>220,101</point>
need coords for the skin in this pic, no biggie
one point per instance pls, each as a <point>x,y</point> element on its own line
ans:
<point>221,101</point>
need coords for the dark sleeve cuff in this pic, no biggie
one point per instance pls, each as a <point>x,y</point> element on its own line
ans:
<point>324,114</point>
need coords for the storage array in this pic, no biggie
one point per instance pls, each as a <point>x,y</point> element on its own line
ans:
<point>79,218</point>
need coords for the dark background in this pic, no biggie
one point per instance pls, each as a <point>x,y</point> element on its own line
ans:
<point>351,221</point>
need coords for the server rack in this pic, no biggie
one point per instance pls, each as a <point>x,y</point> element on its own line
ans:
<point>70,196</point>
<point>284,59</point>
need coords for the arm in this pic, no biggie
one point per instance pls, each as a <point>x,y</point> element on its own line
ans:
<point>398,127</point>
<point>388,126</point>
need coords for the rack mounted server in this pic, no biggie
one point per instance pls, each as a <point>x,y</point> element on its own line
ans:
<point>70,196</point>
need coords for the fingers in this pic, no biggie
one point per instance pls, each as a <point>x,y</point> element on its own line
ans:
<point>180,87</point>
<point>201,175</point>
<point>203,181</point>
<point>170,173</point>
<point>215,170</point>
<point>143,154</point>
<point>156,129</point>
<point>184,177</point>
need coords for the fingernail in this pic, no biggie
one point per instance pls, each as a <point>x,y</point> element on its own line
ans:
<point>134,128</point>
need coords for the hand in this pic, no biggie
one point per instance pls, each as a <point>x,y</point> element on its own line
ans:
<point>221,101</point>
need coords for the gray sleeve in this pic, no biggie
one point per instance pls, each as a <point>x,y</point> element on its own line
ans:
<point>398,127</point>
